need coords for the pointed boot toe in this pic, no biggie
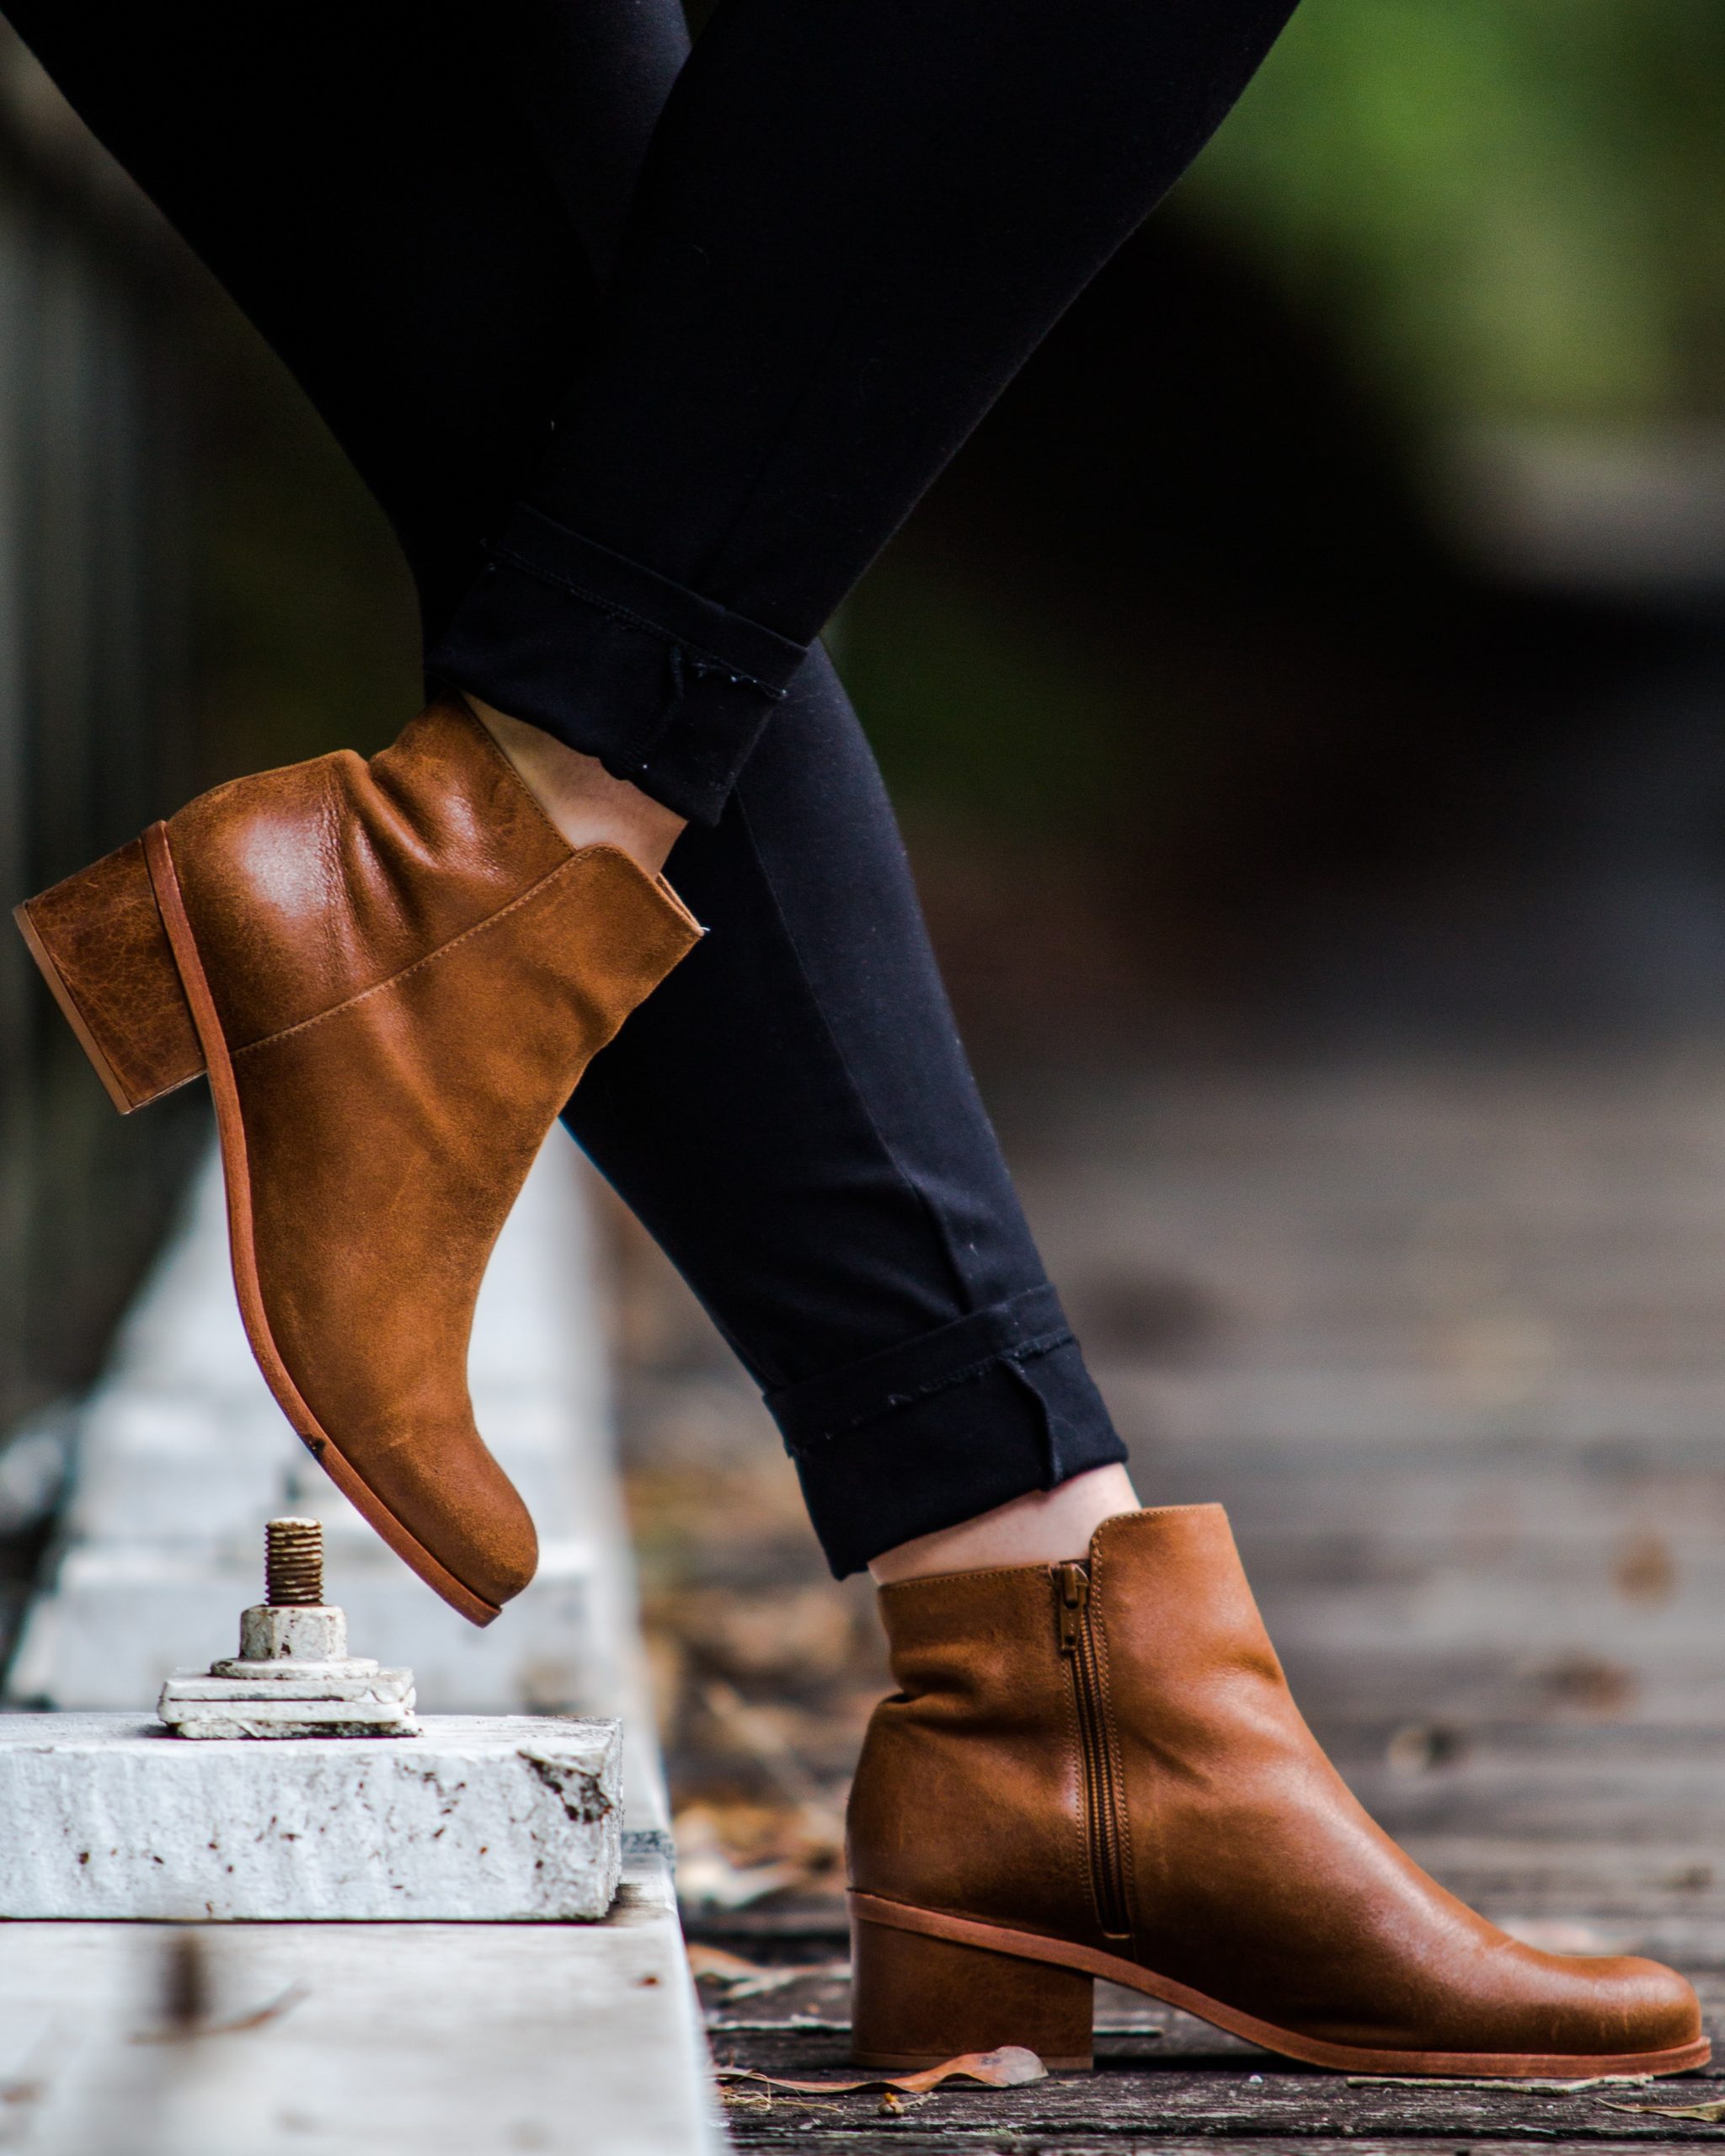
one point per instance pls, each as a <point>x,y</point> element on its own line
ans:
<point>394,973</point>
<point>1095,1769</point>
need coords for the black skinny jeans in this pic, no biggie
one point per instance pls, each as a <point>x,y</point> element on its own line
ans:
<point>645,361</point>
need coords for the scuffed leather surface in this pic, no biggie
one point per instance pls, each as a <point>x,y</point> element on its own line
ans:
<point>418,969</point>
<point>308,883</point>
<point>104,931</point>
<point>1255,1877</point>
<point>967,1795</point>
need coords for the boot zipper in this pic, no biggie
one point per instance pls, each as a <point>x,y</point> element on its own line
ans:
<point>1101,1802</point>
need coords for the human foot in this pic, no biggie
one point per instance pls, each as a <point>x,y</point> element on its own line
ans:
<point>1041,1529</point>
<point>394,973</point>
<point>586,803</point>
<point>1096,1769</point>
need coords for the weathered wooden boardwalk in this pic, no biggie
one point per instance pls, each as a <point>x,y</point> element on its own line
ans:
<point>1449,1343</point>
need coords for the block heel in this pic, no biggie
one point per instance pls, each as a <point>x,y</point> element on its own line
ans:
<point>916,2000</point>
<point>100,941</point>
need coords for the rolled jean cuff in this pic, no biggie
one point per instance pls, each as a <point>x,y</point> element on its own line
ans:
<point>668,689</point>
<point>950,1424</point>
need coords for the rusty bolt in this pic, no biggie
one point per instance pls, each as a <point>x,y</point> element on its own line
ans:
<point>293,1564</point>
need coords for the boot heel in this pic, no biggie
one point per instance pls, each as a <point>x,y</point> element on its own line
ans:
<point>100,941</point>
<point>916,2001</point>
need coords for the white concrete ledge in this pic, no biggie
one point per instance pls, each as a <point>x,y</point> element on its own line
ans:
<point>357,2038</point>
<point>507,1820</point>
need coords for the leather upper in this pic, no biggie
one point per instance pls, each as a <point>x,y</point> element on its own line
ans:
<point>309,884</point>
<point>1252,1875</point>
<point>412,969</point>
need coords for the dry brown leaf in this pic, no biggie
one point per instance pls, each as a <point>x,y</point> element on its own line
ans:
<point>714,1961</point>
<point>749,1979</point>
<point>1011,2067</point>
<point>711,1873</point>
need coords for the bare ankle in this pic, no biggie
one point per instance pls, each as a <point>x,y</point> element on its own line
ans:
<point>587,805</point>
<point>1047,1527</point>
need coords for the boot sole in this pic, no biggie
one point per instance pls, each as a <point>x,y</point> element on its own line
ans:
<point>871,1909</point>
<point>235,1178</point>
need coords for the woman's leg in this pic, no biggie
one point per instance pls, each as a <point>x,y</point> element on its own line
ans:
<point>855,222</point>
<point>791,1113</point>
<point>792,1117</point>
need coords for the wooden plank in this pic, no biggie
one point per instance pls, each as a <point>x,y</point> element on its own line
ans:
<point>431,2040</point>
<point>1131,2094</point>
<point>1448,1346</point>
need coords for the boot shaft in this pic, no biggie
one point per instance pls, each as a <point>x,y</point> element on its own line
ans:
<point>1038,1704</point>
<point>1106,1754</point>
<point>311,883</point>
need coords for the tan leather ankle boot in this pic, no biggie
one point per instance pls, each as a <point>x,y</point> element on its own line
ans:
<point>394,973</point>
<point>1097,1771</point>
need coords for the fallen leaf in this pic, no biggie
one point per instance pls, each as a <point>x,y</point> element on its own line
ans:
<point>1009,2068</point>
<point>1708,2114</point>
<point>730,1855</point>
<point>749,1979</point>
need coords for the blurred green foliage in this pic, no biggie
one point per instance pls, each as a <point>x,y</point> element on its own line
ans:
<point>1518,206</point>
<point>1460,213</point>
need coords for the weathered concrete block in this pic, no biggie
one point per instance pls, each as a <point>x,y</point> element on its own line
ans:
<point>293,1677</point>
<point>514,1819</point>
<point>352,1701</point>
<point>271,1635</point>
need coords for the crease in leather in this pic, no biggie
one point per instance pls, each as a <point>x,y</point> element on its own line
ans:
<point>308,883</point>
<point>383,987</point>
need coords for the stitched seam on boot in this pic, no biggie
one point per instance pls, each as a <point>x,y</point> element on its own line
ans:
<point>377,988</point>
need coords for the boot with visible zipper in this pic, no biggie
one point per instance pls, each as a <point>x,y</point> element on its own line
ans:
<point>1096,1769</point>
<point>394,972</point>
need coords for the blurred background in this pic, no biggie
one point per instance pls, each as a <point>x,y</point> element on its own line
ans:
<point>1304,698</point>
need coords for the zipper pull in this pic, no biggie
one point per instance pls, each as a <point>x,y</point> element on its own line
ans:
<point>1072,1583</point>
